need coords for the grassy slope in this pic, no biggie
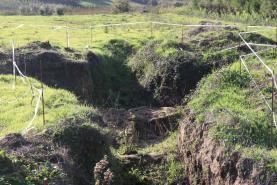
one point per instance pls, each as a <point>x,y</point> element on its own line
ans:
<point>240,116</point>
<point>16,110</point>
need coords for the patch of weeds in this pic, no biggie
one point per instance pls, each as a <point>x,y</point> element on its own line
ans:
<point>127,148</point>
<point>138,177</point>
<point>235,78</point>
<point>119,48</point>
<point>17,171</point>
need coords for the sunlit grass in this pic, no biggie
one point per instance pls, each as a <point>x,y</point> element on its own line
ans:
<point>17,106</point>
<point>52,29</point>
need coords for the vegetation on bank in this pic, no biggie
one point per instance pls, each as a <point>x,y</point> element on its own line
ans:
<point>266,8</point>
<point>18,171</point>
<point>229,99</point>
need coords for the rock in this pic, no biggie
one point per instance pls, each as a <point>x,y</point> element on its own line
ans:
<point>142,159</point>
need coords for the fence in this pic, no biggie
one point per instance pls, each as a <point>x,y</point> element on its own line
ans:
<point>271,71</point>
<point>34,91</point>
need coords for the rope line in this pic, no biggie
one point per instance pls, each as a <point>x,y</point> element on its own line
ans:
<point>255,83</point>
<point>274,85</point>
<point>27,81</point>
<point>140,23</point>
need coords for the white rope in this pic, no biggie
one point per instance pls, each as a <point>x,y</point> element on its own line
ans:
<point>262,45</point>
<point>270,27</point>
<point>119,24</point>
<point>39,91</point>
<point>19,26</point>
<point>255,83</point>
<point>254,52</point>
<point>268,68</point>
<point>251,54</point>
<point>194,25</point>
<point>35,113</point>
<point>137,23</point>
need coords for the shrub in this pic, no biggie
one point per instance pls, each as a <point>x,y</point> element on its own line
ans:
<point>119,48</point>
<point>121,6</point>
<point>60,11</point>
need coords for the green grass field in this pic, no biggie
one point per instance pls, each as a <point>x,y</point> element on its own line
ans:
<point>24,29</point>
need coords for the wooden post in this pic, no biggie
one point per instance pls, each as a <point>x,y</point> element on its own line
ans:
<point>67,37</point>
<point>276,41</point>
<point>182,34</point>
<point>151,27</point>
<point>42,94</point>
<point>14,62</point>
<point>25,66</point>
<point>272,108</point>
<point>90,36</point>
<point>239,55</point>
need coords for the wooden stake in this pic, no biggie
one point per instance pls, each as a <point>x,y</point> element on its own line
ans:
<point>42,94</point>
<point>90,36</point>
<point>182,35</point>
<point>272,108</point>
<point>151,29</point>
<point>67,37</point>
<point>276,41</point>
<point>14,62</point>
<point>239,54</point>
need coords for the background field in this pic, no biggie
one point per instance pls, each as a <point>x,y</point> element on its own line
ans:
<point>25,29</point>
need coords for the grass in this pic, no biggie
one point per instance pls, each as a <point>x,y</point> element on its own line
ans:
<point>17,110</point>
<point>240,116</point>
<point>168,171</point>
<point>80,38</point>
<point>17,171</point>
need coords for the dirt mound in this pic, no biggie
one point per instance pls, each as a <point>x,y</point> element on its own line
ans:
<point>171,70</point>
<point>168,77</point>
<point>44,62</point>
<point>208,162</point>
<point>38,45</point>
<point>73,150</point>
<point>96,79</point>
<point>13,141</point>
<point>142,124</point>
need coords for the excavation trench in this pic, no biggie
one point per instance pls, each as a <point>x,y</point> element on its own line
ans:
<point>136,89</point>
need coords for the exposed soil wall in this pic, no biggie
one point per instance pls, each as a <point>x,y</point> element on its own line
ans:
<point>95,79</point>
<point>209,162</point>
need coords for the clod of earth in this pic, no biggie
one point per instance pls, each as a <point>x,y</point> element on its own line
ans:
<point>142,122</point>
